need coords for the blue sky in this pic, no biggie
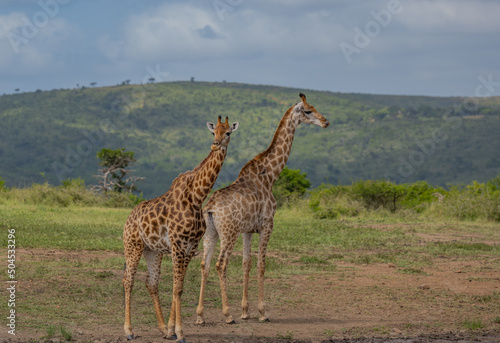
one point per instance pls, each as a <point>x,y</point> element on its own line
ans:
<point>442,48</point>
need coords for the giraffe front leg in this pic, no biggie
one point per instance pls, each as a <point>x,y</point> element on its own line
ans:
<point>247,265</point>
<point>132,257</point>
<point>175,321</point>
<point>261,269</point>
<point>153,261</point>
<point>171,322</point>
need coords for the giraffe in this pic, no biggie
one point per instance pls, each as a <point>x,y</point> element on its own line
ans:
<point>172,224</point>
<point>248,206</point>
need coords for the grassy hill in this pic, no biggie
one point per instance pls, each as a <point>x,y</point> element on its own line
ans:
<point>54,135</point>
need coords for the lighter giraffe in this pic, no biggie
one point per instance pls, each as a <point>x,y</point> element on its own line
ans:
<point>248,206</point>
<point>172,224</point>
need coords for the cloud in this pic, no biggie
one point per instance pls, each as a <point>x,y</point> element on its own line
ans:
<point>455,16</point>
<point>173,32</point>
<point>185,32</point>
<point>27,45</point>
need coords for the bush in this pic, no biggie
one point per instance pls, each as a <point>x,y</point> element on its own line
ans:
<point>291,184</point>
<point>330,202</point>
<point>379,194</point>
<point>420,195</point>
<point>71,192</point>
<point>475,201</point>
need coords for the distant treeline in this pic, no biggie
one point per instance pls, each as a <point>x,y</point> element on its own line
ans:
<point>407,138</point>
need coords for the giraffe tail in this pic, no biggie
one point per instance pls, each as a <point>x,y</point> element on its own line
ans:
<point>209,217</point>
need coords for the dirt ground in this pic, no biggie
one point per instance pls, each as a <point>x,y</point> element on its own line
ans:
<point>357,303</point>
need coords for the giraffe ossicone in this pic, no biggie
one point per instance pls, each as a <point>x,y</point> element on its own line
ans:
<point>172,224</point>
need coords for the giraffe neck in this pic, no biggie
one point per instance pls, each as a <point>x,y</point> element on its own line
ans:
<point>204,176</point>
<point>269,164</point>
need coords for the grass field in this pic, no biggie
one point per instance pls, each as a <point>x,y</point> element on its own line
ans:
<point>69,266</point>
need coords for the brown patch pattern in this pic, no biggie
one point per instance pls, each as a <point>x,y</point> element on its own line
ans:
<point>171,224</point>
<point>248,206</point>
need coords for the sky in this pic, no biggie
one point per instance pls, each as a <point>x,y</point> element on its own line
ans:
<point>408,47</point>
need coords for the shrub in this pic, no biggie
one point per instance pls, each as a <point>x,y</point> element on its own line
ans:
<point>291,184</point>
<point>420,194</point>
<point>377,194</point>
<point>330,202</point>
<point>475,201</point>
<point>71,192</point>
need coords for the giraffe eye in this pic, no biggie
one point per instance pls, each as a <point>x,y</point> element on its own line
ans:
<point>228,133</point>
<point>307,112</point>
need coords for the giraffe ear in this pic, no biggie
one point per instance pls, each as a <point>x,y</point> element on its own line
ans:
<point>211,126</point>
<point>234,126</point>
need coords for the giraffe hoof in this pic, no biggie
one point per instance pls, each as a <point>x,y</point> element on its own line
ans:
<point>231,322</point>
<point>130,337</point>
<point>181,341</point>
<point>265,320</point>
<point>172,338</point>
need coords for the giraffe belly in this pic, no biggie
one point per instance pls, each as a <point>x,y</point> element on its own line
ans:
<point>157,242</point>
<point>250,223</point>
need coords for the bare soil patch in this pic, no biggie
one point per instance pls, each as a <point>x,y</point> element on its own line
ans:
<point>354,303</point>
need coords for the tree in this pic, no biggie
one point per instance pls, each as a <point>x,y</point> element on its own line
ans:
<point>379,193</point>
<point>291,183</point>
<point>114,175</point>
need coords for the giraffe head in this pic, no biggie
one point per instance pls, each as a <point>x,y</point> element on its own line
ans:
<point>221,132</point>
<point>307,113</point>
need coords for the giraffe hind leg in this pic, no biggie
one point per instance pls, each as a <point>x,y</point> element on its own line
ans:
<point>209,242</point>
<point>261,268</point>
<point>226,249</point>
<point>247,265</point>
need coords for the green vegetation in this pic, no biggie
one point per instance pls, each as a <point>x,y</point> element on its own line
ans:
<point>291,185</point>
<point>79,249</point>
<point>115,172</point>
<point>473,324</point>
<point>474,201</point>
<point>51,332</point>
<point>288,336</point>
<point>71,192</point>
<point>402,138</point>
<point>66,334</point>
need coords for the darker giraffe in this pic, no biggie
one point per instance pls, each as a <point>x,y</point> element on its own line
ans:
<point>172,224</point>
<point>248,206</point>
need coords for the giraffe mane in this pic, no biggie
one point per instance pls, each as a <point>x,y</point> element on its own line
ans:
<point>256,160</point>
